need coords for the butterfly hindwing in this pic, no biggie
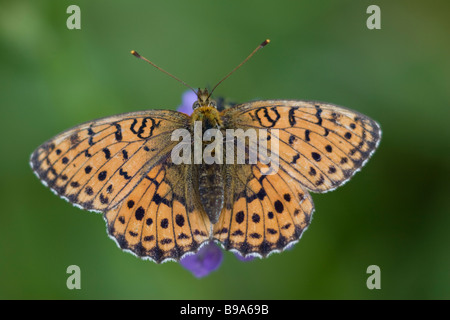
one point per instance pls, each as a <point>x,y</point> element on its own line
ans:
<point>263,213</point>
<point>160,219</point>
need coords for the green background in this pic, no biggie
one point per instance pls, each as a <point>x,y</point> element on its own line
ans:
<point>394,213</point>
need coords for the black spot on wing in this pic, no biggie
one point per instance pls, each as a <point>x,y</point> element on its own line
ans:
<point>240,217</point>
<point>102,175</point>
<point>292,120</point>
<point>316,156</point>
<point>318,115</point>
<point>124,174</point>
<point>139,213</point>
<point>107,153</point>
<point>118,133</point>
<point>307,132</point>
<point>265,119</point>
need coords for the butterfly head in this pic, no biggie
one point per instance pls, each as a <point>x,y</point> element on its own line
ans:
<point>205,110</point>
<point>203,99</point>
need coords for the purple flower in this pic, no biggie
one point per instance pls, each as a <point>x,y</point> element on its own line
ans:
<point>205,261</point>
<point>210,256</point>
<point>187,100</point>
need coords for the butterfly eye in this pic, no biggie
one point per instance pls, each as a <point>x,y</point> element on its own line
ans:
<point>195,105</point>
<point>213,104</point>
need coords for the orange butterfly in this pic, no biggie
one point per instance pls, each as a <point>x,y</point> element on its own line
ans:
<point>121,166</point>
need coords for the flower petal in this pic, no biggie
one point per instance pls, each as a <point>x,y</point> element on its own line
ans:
<point>205,261</point>
<point>187,100</point>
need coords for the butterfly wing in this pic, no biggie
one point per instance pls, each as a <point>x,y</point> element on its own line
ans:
<point>263,213</point>
<point>96,164</point>
<point>160,219</point>
<point>121,166</point>
<point>320,147</point>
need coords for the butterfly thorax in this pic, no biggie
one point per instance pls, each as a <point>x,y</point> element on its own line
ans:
<point>209,177</point>
<point>209,116</point>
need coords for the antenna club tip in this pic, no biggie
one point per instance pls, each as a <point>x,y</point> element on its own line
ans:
<point>134,53</point>
<point>266,42</point>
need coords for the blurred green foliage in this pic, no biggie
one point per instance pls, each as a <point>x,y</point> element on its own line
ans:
<point>394,214</point>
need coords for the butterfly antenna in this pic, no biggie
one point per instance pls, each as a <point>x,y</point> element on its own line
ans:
<point>262,45</point>
<point>137,55</point>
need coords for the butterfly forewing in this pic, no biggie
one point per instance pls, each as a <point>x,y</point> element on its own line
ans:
<point>320,145</point>
<point>96,164</point>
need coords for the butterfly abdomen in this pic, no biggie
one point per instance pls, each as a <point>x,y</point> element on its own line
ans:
<point>209,175</point>
<point>211,190</point>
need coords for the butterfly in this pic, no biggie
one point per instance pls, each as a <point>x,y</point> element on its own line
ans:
<point>121,166</point>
